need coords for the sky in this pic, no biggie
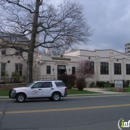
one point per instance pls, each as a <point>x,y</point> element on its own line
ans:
<point>110,20</point>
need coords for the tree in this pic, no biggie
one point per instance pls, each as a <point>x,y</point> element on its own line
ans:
<point>84,70</point>
<point>59,27</point>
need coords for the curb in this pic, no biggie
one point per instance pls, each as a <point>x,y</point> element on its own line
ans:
<point>89,95</point>
<point>4,97</point>
<point>118,94</point>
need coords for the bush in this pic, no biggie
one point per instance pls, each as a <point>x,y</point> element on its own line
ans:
<point>23,78</point>
<point>64,78</point>
<point>100,83</point>
<point>16,77</point>
<point>92,84</point>
<point>80,83</point>
<point>126,83</point>
<point>5,78</point>
<point>69,80</point>
<point>112,84</point>
<point>104,84</point>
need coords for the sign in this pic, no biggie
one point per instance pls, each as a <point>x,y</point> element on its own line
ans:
<point>61,58</point>
<point>123,124</point>
<point>61,67</point>
<point>119,83</point>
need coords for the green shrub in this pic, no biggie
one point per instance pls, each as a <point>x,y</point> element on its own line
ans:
<point>24,78</point>
<point>15,77</point>
<point>126,83</point>
<point>5,78</point>
<point>112,84</point>
<point>100,83</point>
<point>80,83</point>
<point>69,80</point>
<point>92,84</point>
<point>64,78</point>
<point>104,84</point>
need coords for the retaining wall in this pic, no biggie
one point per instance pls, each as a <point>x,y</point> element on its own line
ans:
<point>9,86</point>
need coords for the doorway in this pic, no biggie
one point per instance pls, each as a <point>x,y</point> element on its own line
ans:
<point>61,69</point>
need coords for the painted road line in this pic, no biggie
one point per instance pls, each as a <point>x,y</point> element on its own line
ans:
<point>65,109</point>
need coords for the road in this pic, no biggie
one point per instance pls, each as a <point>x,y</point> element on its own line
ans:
<point>72,113</point>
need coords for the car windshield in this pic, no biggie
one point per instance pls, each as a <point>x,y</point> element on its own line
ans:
<point>30,84</point>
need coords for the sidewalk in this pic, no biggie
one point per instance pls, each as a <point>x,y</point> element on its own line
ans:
<point>4,97</point>
<point>103,91</point>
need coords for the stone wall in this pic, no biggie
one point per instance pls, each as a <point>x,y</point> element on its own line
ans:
<point>4,87</point>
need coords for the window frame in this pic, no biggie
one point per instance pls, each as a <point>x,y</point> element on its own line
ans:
<point>104,68</point>
<point>127,69</point>
<point>73,70</point>
<point>3,72</point>
<point>3,51</point>
<point>19,71</point>
<point>48,69</point>
<point>91,64</point>
<point>117,69</point>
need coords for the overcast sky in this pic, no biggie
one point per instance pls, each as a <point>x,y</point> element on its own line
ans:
<point>110,20</point>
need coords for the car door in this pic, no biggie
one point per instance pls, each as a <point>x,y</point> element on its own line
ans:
<point>47,89</point>
<point>35,90</point>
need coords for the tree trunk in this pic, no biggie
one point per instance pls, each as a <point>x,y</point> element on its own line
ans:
<point>32,43</point>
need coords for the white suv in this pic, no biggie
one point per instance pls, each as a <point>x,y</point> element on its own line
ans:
<point>53,90</point>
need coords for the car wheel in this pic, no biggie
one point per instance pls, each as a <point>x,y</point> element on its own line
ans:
<point>20,97</point>
<point>56,96</point>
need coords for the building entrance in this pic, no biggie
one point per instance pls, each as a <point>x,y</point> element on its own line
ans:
<point>61,69</point>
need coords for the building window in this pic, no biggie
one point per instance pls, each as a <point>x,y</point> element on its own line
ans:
<point>104,68</point>
<point>92,65</point>
<point>3,69</point>
<point>73,70</point>
<point>18,68</point>
<point>3,51</point>
<point>18,53</point>
<point>48,69</point>
<point>117,68</point>
<point>128,69</point>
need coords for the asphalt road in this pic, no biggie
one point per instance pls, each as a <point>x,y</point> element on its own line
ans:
<point>72,113</point>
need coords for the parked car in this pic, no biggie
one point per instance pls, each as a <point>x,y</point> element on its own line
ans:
<point>53,90</point>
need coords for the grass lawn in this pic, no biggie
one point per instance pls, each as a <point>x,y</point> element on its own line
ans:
<point>73,91</point>
<point>4,93</point>
<point>126,88</point>
<point>70,91</point>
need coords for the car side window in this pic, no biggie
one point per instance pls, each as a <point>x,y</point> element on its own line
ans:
<point>47,84</point>
<point>38,85</point>
<point>60,84</point>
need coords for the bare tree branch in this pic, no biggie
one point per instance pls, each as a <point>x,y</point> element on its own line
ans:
<point>58,28</point>
<point>17,2</point>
